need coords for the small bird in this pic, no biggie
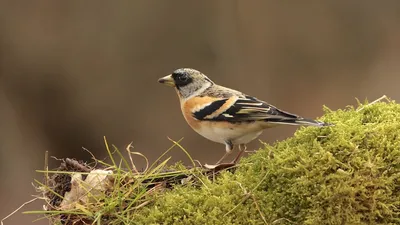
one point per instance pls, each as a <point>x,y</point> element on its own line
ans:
<point>225,115</point>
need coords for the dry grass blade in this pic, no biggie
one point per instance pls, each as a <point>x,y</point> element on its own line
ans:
<point>15,211</point>
<point>184,150</point>
<point>384,97</point>
<point>130,158</point>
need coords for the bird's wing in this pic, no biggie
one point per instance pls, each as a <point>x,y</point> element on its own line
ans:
<point>241,109</point>
<point>252,109</point>
<point>248,109</point>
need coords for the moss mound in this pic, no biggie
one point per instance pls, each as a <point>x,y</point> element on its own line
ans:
<point>345,174</point>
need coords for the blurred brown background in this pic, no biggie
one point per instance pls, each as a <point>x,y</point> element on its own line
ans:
<point>72,72</point>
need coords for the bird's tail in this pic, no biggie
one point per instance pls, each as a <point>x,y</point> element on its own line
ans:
<point>298,121</point>
<point>310,122</point>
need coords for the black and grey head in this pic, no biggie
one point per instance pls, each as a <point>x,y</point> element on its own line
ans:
<point>188,82</point>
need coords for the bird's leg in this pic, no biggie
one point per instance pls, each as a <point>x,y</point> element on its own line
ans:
<point>242,148</point>
<point>228,149</point>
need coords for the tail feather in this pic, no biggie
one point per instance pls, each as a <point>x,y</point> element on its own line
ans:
<point>283,117</point>
<point>309,122</point>
<point>298,121</point>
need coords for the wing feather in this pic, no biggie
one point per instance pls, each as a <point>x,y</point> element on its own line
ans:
<point>235,107</point>
<point>247,109</point>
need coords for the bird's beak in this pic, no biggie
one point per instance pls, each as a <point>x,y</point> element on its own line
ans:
<point>167,80</point>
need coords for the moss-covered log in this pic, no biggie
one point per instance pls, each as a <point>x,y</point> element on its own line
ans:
<point>345,174</point>
<point>348,173</point>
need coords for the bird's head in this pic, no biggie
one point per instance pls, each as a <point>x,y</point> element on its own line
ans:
<point>187,82</point>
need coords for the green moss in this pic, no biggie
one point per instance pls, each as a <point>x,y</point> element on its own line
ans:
<point>345,174</point>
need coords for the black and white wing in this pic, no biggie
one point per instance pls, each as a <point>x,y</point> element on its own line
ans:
<point>249,109</point>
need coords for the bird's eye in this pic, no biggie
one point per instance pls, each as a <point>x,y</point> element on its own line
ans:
<point>183,78</point>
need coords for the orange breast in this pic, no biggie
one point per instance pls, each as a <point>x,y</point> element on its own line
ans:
<point>190,105</point>
<point>197,103</point>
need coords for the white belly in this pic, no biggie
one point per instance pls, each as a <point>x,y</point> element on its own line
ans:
<point>232,132</point>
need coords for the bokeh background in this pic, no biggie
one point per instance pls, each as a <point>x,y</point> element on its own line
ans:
<point>72,72</point>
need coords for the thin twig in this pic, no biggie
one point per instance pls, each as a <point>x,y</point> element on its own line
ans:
<point>76,165</point>
<point>93,157</point>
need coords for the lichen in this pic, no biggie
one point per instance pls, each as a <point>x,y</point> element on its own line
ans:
<point>344,174</point>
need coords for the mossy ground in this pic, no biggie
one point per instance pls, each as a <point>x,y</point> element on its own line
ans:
<point>343,174</point>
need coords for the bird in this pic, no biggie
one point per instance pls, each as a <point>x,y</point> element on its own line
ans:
<point>225,115</point>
